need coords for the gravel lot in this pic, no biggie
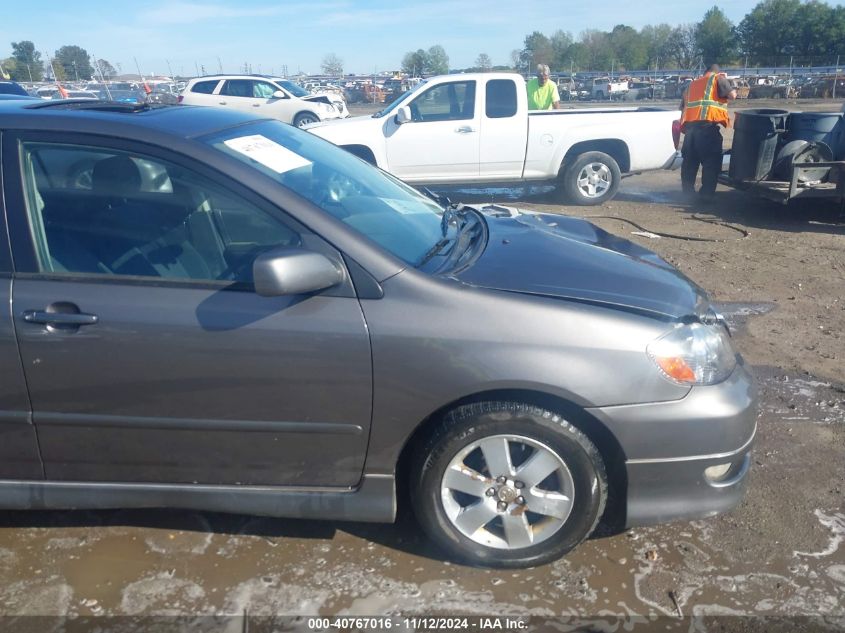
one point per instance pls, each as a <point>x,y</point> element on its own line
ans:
<point>778,274</point>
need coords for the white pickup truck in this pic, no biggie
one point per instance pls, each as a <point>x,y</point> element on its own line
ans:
<point>605,88</point>
<point>476,128</point>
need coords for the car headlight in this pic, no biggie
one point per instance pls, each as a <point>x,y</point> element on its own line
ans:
<point>694,354</point>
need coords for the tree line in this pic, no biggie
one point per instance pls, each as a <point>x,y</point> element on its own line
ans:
<point>70,63</point>
<point>774,33</point>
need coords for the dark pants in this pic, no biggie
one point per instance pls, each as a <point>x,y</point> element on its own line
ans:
<point>702,147</point>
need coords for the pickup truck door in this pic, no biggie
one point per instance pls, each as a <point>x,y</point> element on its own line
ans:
<point>442,141</point>
<point>504,131</point>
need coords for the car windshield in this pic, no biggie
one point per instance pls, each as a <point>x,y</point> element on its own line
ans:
<point>403,99</point>
<point>382,208</point>
<point>295,89</point>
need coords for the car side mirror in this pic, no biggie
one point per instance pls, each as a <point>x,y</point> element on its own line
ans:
<point>279,95</point>
<point>403,115</point>
<point>293,271</point>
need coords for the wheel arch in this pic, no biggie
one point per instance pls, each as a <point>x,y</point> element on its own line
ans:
<point>613,147</point>
<point>305,111</point>
<point>595,430</point>
<point>361,151</point>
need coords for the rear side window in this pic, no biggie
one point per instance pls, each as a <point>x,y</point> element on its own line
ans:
<point>237,88</point>
<point>204,87</point>
<point>501,99</point>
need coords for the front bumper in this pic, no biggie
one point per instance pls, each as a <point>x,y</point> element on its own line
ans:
<point>669,445</point>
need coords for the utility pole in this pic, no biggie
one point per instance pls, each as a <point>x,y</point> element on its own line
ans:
<point>169,69</point>
<point>219,66</point>
<point>836,77</point>
<point>29,70</point>
<point>102,77</point>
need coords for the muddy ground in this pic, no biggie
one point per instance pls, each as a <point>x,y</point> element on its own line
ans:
<point>778,275</point>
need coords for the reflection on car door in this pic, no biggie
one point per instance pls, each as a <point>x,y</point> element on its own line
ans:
<point>160,363</point>
<point>443,138</point>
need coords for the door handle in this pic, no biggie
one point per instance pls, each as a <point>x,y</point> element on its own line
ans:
<point>59,318</point>
<point>464,129</point>
<point>222,103</point>
<point>256,105</point>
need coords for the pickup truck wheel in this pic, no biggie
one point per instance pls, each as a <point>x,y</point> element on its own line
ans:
<point>507,484</point>
<point>592,179</point>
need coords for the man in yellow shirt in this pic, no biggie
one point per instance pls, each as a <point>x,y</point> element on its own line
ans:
<point>542,93</point>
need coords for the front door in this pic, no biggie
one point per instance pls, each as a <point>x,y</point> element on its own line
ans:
<point>441,142</point>
<point>148,355</point>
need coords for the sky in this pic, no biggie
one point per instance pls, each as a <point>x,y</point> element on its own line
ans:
<point>182,37</point>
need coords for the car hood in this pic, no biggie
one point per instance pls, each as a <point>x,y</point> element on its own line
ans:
<point>570,258</point>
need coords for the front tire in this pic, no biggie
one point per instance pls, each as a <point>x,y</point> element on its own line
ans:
<point>304,118</point>
<point>591,179</point>
<point>507,484</point>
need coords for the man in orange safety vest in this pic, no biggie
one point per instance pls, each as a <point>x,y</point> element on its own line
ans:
<point>704,111</point>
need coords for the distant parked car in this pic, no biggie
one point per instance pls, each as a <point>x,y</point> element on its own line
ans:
<point>260,95</point>
<point>123,96</point>
<point>12,88</point>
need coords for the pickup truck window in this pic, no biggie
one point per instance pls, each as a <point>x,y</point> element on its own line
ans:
<point>454,101</point>
<point>501,99</point>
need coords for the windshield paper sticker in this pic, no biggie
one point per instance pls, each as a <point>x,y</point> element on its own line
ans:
<point>269,153</point>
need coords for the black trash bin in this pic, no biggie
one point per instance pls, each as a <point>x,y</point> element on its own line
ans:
<point>756,134</point>
<point>821,127</point>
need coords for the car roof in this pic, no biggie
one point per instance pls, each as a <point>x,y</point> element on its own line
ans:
<point>119,119</point>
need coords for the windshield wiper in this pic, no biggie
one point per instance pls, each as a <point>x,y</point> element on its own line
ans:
<point>435,250</point>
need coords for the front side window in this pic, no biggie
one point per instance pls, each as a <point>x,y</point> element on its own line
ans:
<point>263,90</point>
<point>445,102</point>
<point>384,209</point>
<point>103,211</point>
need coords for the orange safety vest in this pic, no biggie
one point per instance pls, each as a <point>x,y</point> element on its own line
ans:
<point>703,102</point>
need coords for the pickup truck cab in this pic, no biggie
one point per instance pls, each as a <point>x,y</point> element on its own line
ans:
<point>476,128</point>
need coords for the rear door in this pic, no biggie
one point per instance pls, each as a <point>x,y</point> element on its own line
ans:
<point>238,94</point>
<point>442,142</point>
<point>504,131</point>
<point>19,456</point>
<point>148,354</point>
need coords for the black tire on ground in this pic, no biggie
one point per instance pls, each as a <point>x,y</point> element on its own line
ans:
<point>303,118</point>
<point>520,423</point>
<point>591,179</point>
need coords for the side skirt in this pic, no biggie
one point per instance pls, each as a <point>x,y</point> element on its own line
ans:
<point>374,500</point>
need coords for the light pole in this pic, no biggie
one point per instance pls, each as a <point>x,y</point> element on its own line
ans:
<point>75,72</point>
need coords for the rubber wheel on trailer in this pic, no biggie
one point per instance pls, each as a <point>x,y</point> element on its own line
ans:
<point>304,118</point>
<point>505,484</point>
<point>591,179</point>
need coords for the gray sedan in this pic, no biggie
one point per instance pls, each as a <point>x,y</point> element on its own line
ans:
<point>214,311</point>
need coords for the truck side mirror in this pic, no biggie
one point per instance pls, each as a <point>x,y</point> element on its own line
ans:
<point>403,115</point>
